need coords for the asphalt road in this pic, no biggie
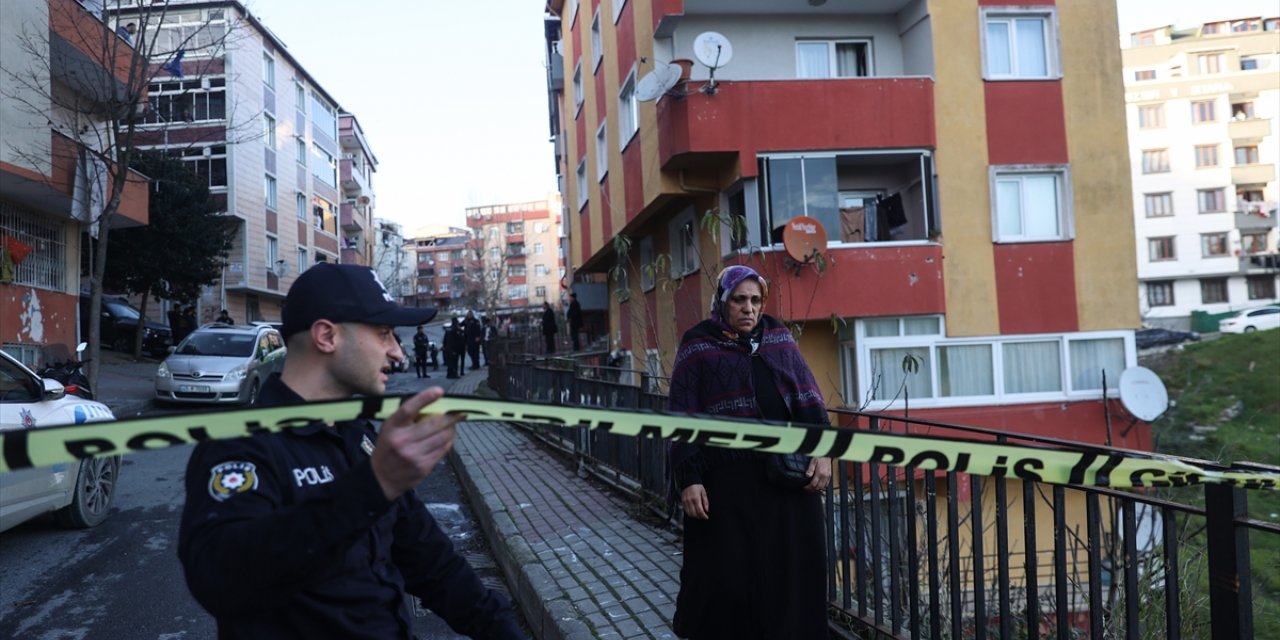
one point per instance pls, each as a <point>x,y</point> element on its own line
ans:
<point>122,579</point>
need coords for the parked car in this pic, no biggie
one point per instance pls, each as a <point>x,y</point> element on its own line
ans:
<point>220,363</point>
<point>1155,337</point>
<point>78,493</point>
<point>119,325</point>
<point>1250,320</point>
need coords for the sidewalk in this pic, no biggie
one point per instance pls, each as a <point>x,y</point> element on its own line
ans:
<point>579,566</point>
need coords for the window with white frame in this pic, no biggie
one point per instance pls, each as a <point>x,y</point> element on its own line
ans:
<point>302,259</point>
<point>648,271</point>
<point>597,42</point>
<point>1030,203</point>
<point>45,265</point>
<point>957,371</point>
<point>443,272</point>
<point>618,6</point>
<point>518,291</point>
<point>537,248</point>
<point>300,202</point>
<point>628,110</point>
<point>299,97</point>
<point>572,12</point>
<point>1151,116</point>
<point>269,130</point>
<point>444,287</point>
<point>268,70</point>
<point>539,227</point>
<point>273,251</point>
<point>269,189</point>
<point>540,292</point>
<point>323,166</point>
<point>182,100</point>
<point>540,270</point>
<point>577,86</point>
<point>300,149</point>
<point>1212,200</point>
<point>1019,45</point>
<point>834,59</point>
<point>210,163</point>
<point>323,116</point>
<point>197,33</point>
<point>1213,245</point>
<point>1159,205</point>
<point>582,184</point>
<point>683,240</point>
<point>602,150</point>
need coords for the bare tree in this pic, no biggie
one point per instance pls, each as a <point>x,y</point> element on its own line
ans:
<point>487,278</point>
<point>90,83</point>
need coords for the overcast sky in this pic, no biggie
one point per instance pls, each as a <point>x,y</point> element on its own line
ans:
<point>452,95</point>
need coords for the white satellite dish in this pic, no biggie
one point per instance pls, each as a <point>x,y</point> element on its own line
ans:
<point>658,82</point>
<point>1143,394</point>
<point>712,49</point>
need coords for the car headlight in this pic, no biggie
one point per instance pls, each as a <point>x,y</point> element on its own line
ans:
<point>163,370</point>
<point>235,375</point>
<point>148,332</point>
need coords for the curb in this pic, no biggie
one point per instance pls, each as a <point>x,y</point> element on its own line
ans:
<point>548,612</point>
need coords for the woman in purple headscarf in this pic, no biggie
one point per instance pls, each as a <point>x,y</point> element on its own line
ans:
<point>754,563</point>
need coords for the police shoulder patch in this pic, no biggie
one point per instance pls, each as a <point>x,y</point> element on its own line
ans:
<point>232,477</point>
<point>366,444</point>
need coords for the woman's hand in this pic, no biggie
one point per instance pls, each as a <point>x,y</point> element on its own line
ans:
<point>694,499</point>
<point>819,473</point>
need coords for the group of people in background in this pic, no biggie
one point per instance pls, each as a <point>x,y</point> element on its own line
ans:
<point>469,337</point>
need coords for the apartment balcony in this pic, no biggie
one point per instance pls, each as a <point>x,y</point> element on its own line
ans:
<point>354,255</point>
<point>1251,216</point>
<point>1253,174</point>
<point>515,238</point>
<point>351,217</point>
<point>55,193</point>
<point>87,56</point>
<point>1252,128</point>
<point>786,115</point>
<point>1259,264</point>
<point>354,184</point>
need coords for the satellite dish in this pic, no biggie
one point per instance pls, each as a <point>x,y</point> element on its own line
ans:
<point>803,238</point>
<point>712,49</point>
<point>1143,394</point>
<point>658,82</point>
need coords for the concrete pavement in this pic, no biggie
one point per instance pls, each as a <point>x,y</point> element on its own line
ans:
<point>579,565</point>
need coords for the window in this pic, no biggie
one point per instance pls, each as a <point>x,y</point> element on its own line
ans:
<point>299,97</point>
<point>196,100</point>
<point>537,248</point>
<point>1244,26</point>
<point>1261,287</point>
<point>597,42</point>
<point>1155,161</point>
<point>302,259</point>
<point>300,203</point>
<point>1206,155</point>
<point>1032,367</point>
<point>1208,63</point>
<point>513,228</point>
<point>539,269</point>
<point>1160,294</point>
<point>273,251</point>
<point>1030,205</point>
<point>300,149</point>
<point>1247,155</point>
<point>1144,39</point>
<point>323,166</point>
<point>540,227</point>
<point>1204,111</point>
<point>582,184</point>
<point>1212,200</point>
<point>1213,245</point>
<point>199,35</point>
<point>1242,110</point>
<point>1159,205</point>
<point>45,267</point>
<point>648,270</point>
<point>1211,28</point>
<point>270,191</point>
<point>324,215</point>
<point>269,130</point>
<point>577,86</point>
<point>323,117</point>
<point>268,70</point>
<point>444,287</point>
<point>517,270</point>
<point>1160,249</point>
<point>1248,64</point>
<point>518,291</point>
<point>207,162</point>
<point>602,151</point>
<point>1271,24</point>
<point>443,272</point>
<point>833,59</point>
<point>1019,45</point>
<point>683,239</point>
<point>628,111</point>
<point>1213,290</point>
<point>1151,116</point>
<point>1144,74</point>
<point>1253,243</point>
<point>540,292</point>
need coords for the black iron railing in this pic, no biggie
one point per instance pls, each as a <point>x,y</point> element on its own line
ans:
<point>919,553</point>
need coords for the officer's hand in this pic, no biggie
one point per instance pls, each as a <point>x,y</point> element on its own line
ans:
<point>694,500</point>
<point>410,445</point>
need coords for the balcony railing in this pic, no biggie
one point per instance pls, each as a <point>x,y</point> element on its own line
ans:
<point>1242,174</point>
<point>353,182</point>
<point>1253,128</point>
<point>923,553</point>
<point>351,218</point>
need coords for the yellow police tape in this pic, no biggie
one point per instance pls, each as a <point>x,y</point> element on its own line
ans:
<point>51,445</point>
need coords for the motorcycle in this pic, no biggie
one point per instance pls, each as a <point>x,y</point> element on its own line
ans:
<point>69,371</point>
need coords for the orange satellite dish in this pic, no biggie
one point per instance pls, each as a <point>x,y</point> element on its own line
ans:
<point>803,238</point>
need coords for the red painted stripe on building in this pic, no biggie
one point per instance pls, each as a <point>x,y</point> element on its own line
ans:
<point>625,40</point>
<point>1035,287</point>
<point>1026,123</point>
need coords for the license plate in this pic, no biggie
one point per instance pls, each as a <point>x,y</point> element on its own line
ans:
<point>193,388</point>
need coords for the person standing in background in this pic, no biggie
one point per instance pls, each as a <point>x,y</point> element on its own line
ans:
<point>574,319</point>
<point>549,327</point>
<point>420,353</point>
<point>475,336</point>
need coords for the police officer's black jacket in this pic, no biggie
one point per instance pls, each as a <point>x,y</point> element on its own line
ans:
<point>290,536</point>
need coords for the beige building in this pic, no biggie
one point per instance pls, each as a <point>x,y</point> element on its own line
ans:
<point>517,255</point>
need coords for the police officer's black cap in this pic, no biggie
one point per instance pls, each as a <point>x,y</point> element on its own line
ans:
<point>345,293</point>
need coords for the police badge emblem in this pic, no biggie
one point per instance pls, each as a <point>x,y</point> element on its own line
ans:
<point>367,445</point>
<point>230,478</point>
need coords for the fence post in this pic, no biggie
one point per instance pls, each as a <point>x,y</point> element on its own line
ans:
<point>1230,591</point>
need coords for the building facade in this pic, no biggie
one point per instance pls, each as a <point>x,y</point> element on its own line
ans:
<point>55,56</point>
<point>355,171</point>
<point>441,257</point>
<point>395,259</point>
<point>517,259</point>
<point>1202,110</point>
<point>247,114</point>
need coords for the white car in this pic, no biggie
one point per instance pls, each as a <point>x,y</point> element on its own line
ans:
<point>1251,320</point>
<point>78,493</point>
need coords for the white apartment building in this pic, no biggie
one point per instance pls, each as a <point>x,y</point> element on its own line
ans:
<point>394,258</point>
<point>1202,106</point>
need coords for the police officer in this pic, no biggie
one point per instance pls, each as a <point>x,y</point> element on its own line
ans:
<point>316,532</point>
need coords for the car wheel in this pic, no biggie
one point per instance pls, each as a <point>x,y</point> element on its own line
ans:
<point>1250,329</point>
<point>253,393</point>
<point>94,491</point>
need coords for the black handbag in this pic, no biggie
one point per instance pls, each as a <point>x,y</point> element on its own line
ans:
<point>787,470</point>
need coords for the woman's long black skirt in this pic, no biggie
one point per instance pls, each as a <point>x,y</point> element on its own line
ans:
<point>756,568</point>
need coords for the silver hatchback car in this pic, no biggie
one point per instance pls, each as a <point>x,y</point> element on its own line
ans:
<point>220,363</point>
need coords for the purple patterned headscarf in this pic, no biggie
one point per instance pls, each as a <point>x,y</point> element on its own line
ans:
<point>729,280</point>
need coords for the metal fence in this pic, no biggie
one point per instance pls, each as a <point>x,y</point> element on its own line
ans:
<point>919,553</point>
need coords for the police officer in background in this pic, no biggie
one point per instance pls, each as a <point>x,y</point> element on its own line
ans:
<point>316,532</point>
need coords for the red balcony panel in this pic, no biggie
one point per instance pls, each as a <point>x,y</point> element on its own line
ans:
<point>72,23</point>
<point>515,237</point>
<point>791,115</point>
<point>133,201</point>
<point>350,218</point>
<point>860,281</point>
<point>517,279</point>
<point>192,68</point>
<point>327,243</point>
<point>180,135</point>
